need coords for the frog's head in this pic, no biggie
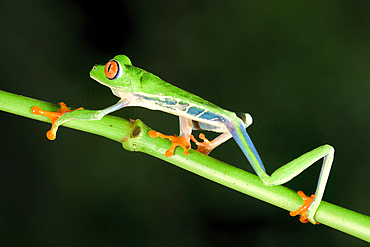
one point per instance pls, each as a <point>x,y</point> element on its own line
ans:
<point>114,74</point>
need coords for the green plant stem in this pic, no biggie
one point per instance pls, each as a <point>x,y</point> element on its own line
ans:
<point>134,137</point>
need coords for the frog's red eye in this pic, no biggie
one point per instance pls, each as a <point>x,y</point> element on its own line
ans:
<point>111,69</point>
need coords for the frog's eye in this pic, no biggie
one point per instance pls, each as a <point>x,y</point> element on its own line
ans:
<point>111,69</point>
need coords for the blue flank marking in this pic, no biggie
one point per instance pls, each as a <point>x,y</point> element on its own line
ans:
<point>195,111</point>
<point>210,116</point>
<point>232,130</point>
<point>169,101</point>
<point>151,98</point>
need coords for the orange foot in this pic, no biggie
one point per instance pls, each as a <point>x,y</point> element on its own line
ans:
<point>204,147</point>
<point>53,116</point>
<point>176,141</point>
<point>303,209</point>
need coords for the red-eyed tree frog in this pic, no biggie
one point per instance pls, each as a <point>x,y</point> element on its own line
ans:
<point>137,87</point>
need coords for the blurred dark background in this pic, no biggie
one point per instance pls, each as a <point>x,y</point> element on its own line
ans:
<point>301,69</point>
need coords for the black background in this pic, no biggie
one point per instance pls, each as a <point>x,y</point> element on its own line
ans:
<point>301,69</point>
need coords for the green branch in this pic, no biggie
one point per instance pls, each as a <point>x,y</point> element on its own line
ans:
<point>134,137</point>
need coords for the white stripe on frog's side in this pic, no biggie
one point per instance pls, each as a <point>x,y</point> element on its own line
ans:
<point>173,106</point>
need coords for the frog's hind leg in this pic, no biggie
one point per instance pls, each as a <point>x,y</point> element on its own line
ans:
<point>207,146</point>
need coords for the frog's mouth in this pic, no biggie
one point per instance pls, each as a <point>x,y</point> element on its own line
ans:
<point>98,80</point>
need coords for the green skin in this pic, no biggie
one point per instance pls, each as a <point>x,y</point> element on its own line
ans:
<point>137,87</point>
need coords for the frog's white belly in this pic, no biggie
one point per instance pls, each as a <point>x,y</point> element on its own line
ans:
<point>176,107</point>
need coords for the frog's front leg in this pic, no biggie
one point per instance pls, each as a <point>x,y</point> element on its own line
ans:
<point>64,115</point>
<point>55,117</point>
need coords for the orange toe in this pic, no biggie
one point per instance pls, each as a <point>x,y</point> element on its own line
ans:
<point>176,141</point>
<point>204,147</point>
<point>304,208</point>
<point>53,116</point>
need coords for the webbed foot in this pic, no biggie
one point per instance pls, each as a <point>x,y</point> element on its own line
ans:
<point>304,208</point>
<point>53,116</point>
<point>176,141</point>
<point>204,147</point>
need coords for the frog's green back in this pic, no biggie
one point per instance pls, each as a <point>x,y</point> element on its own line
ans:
<point>127,78</point>
<point>145,82</point>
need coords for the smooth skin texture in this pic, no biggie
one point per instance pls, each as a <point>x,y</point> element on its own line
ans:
<point>137,87</point>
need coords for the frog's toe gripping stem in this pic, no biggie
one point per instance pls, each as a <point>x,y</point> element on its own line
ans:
<point>204,147</point>
<point>53,116</point>
<point>303,210</point>
<point>176,141</point>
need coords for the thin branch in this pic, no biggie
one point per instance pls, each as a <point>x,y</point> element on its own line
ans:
<point>134,137</point>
